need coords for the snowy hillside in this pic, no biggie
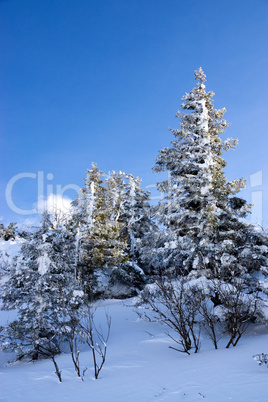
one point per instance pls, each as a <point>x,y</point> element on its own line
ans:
<point>141,367</point>
<point>192,261</point>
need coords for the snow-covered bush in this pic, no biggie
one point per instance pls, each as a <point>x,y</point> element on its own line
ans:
<point>236,307</point>
<point>202,290</point>
<point>175,305</point>
<point>187,305</point>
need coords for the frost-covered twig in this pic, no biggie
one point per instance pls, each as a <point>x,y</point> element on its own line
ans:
<point>261,358</point>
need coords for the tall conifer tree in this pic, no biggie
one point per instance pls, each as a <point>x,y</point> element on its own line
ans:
<point>201,216</point>
<point>41,285</point>
<point>100,245</point>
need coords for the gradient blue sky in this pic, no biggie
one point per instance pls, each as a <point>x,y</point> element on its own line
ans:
<point>100,80</point>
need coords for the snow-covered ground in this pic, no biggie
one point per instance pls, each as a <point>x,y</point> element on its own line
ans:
<point>141,367</point>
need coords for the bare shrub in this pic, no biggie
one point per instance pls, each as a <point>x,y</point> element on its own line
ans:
<point>174,304</point>
<point>71,330</point>
<point>79,326</point>
<point>52,355</point>
<point>95,338</point>
<point>237,308</point>
<point>210,319</point>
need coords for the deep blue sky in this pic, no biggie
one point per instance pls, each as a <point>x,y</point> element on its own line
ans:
<point>84,80</point>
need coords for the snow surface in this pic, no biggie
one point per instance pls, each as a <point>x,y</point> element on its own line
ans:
<point>141,367</point>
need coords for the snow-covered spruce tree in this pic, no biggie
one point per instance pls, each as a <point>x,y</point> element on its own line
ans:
<point>131,207</point>
<point>202,218</point>
<point>137,216</point>
<point>41,285</point>
<point>100,245</point>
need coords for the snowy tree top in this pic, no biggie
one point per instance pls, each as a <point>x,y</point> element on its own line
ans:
<point>200,75</point>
